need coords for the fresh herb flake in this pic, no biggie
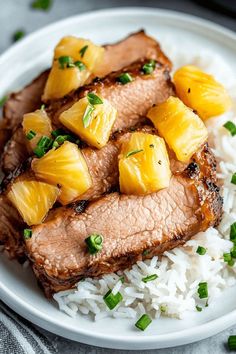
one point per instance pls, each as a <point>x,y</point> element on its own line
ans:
<point>18,35</point>
<point>44,5</point>
<point>231,127</point>
<point>149,67</point>
<point>30,135</point>
<point>83,51</point>
<point>201,250</point>
<point>231,263</point>
<point>233,178</point>
<point>94,243</point>
<point>87,116</point>
<point>233,252</point>
<point>80,65</point>
<point>202,290</point>
<point>150,278</point>
<point>232,342</point>
<point>65,62</point>
<point>133,152</point>
<point>94,99</point>
<point>233,232</point>
<point>125,78</point>
<point>143,322</point>
<point>112,300</point>
<point>227,257</point>
<point>198,308</point>
<point>27,233</point>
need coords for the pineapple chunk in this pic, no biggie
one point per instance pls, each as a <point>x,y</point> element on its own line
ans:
<point>201,92</point>
<point>33,199</point>
<point>39,123</point>
<point>144,165</point>
<point>182,129</point>
<point>67,167</point>
<point>65,78</point>
<point>92,123</point>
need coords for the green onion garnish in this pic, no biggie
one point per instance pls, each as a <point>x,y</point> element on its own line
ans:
<point>44,142</point>
<point>80,65</point>
<point>198,308</point>
<point>31,134</point>
<point>143,322</point>
<point>27,233</point>
<point>65,62</point>
<point>231,263</point>
<point>233,252</point>
<point>112,300</point>
<point>149,67</point>
<point>201,250</point>
<point>42,107</point>
<point>232,342</point>
<point>94,99</point>
<point>227,257</point>
<point>150,278</point>
<point>83,50</point>
<point>87,117</point>
<point>231,127</point>
<point>133,152</point>
<point>57,132</point>
<point>125,78</point>
<point>3,100</point>
<point>94,243</point>
<point>163,308</point>
<point>18,35</point>
<point>145,252</point>
<point>233,232</point>
<point>233,178</point>
<point>41,5</point>
<point>39,151</point>
<point>202,290</point>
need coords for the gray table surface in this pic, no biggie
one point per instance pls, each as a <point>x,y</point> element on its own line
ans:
<point>16,14</point>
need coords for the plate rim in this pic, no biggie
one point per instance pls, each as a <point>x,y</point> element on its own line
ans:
<point>133,341</point>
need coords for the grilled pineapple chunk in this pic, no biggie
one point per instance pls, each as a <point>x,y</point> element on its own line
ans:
<point>182,129</point>
<point>75,59</point>
<point>36,125</point>
<point>93,123</point>
<point>144,165</point>
<point>201,92</point>
<point>67,167</point>
<point>33,199</point>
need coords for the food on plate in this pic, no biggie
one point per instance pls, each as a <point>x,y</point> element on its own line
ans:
<point>36,125</point>
<point>91,118</point>
<point>112,170</point>
<point>144,165</point>
<point>181,128</point>
<point>75,60</point>
<point>201,92</point>
<point>66,167</point>
<point>33,199</point>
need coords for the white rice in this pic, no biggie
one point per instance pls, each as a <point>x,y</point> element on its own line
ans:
<point>179,271</point>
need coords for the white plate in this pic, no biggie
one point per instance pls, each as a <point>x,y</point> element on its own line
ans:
<point>18,287</point>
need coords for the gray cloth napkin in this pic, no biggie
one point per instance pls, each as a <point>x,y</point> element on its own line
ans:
<point>18,336</point>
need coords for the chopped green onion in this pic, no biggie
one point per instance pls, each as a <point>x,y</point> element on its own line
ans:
<point>227,257</point>
<point>133,152</point>
<point>163,308</point>
<point>80,65</point>
<point>87,117</point>
<point>39,151</point>
<point>233,232</point>
<point>112,300</point>
<point>233,252</point>
<point>45,142</point>
<point>202,290</point>
<point>233,178</point>
<point>149,67</point>
<point>94,243</point>
<point>125,78</point>
<point>231,127</point>
<point>65,62</point>
<point>143,322</point>
<point>145,252</point>
<point>201,250</point>
<point>57,132</point>
<point>150,278</point>
<point>31,134</point>
<point>198,308</point>
<point>231,263</point>
<point>44,5</point>
<point>94,99</point>
<point>27,233</point>
<point>232,342</point>
<point>3,100</point>
<point>83,50</point>
<point>42,107</point>
<point>18,35</point>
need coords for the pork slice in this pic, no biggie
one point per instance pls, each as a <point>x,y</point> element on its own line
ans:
<point>129,225</point>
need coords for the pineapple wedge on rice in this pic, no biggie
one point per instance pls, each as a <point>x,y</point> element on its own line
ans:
<point>182,129</point>
<point>91,118</point>
<point>66,167</point>
<point>201,92</point>
<point>35,125</point>
<point>75,60</point>
<point>144,165</point>
<point>33,199</point>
